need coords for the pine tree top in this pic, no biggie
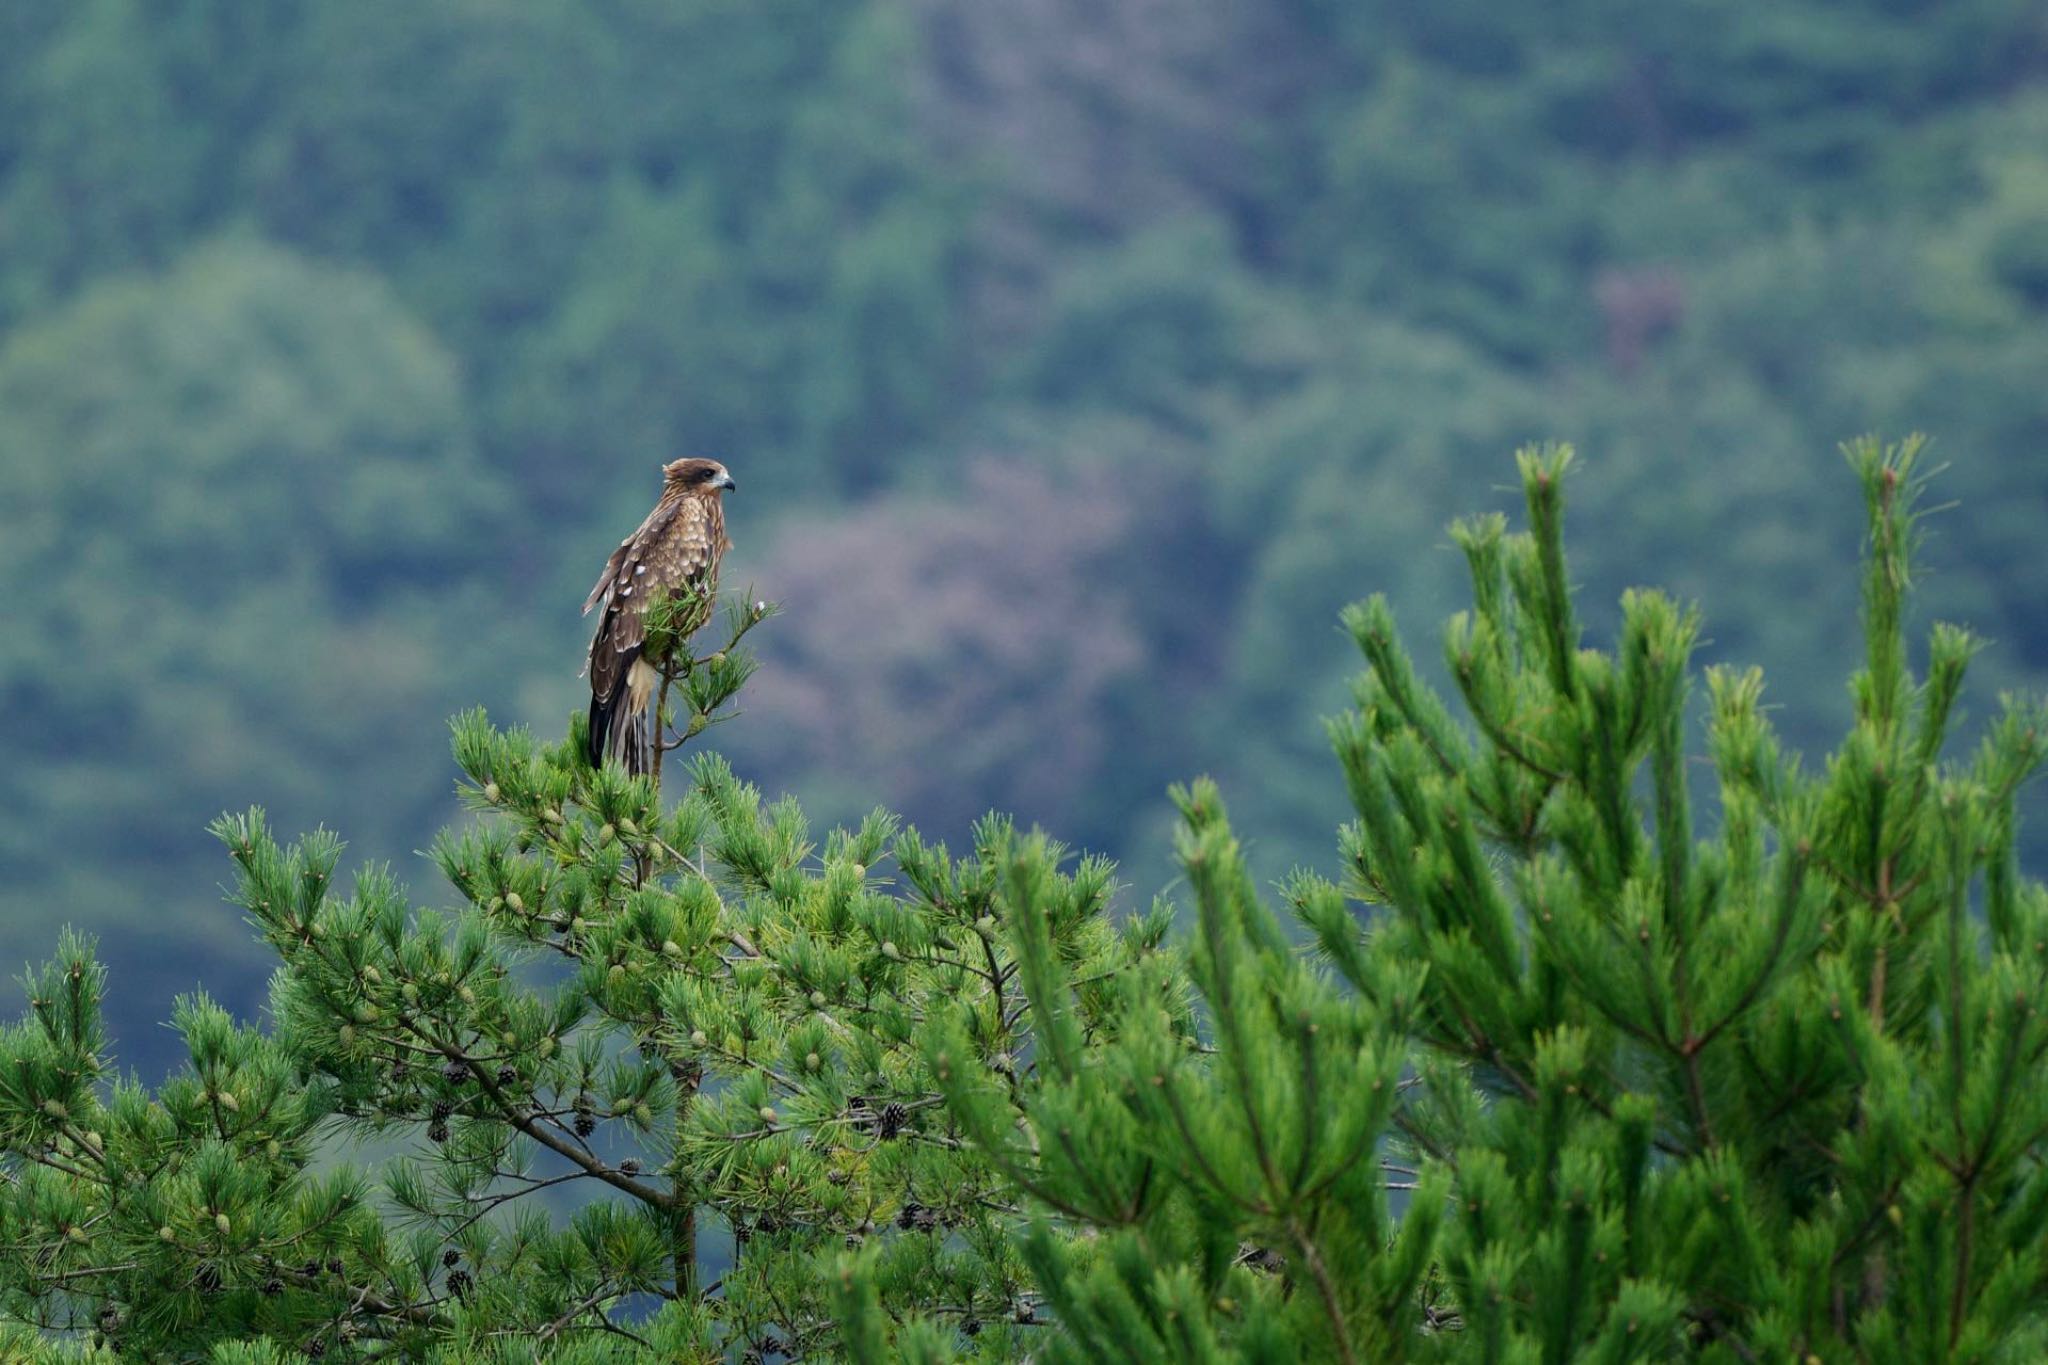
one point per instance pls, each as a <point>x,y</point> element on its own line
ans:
<point>1614,1032</point>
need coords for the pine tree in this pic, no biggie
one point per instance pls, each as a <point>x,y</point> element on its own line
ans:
<point>1754,1085</point>
<point>1748,1086</point>
<point>1593,1049</point>
<point>690,1018</point>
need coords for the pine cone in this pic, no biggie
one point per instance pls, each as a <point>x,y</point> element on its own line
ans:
<point>459,1283</point>
<point>455,1073</point>
<point>437,1131</point>
<point>450,1256</point>
<point>585,1125</point>
<point>894,1116</point>
<point>508,1074</point>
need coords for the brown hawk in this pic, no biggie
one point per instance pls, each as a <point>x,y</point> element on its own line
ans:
<point>675,552</point>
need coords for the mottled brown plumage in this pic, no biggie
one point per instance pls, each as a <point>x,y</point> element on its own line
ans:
<point>676,549</point>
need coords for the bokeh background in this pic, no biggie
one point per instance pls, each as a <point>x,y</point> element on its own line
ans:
<point>1078,359</point>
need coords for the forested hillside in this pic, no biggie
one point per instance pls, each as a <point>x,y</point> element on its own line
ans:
<point>1076,361</point>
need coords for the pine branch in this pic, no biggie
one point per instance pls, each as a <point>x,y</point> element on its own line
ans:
<point>522,1120</point>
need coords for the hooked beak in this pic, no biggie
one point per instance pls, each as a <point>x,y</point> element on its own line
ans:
<point>724,481</point>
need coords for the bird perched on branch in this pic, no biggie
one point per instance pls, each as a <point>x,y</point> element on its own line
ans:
<point>674,554</point>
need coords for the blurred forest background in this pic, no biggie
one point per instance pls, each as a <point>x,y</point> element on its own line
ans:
<point>1077,360</point>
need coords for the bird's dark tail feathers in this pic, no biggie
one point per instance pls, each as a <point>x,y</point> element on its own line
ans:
<point>620,731</point>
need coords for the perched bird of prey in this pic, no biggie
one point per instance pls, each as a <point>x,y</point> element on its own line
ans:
<point>675,552</point>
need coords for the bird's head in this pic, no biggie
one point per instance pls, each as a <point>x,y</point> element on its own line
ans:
<point>697,476</point>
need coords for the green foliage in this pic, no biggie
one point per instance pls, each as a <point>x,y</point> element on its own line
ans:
<point>694,1011</point>
<point>1738,1078</point>
<point>1595,1051</point>
<point>1198,1165</point>
<point>1744,1087</point>
<point>337,343</point>
<point>254,466</point>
